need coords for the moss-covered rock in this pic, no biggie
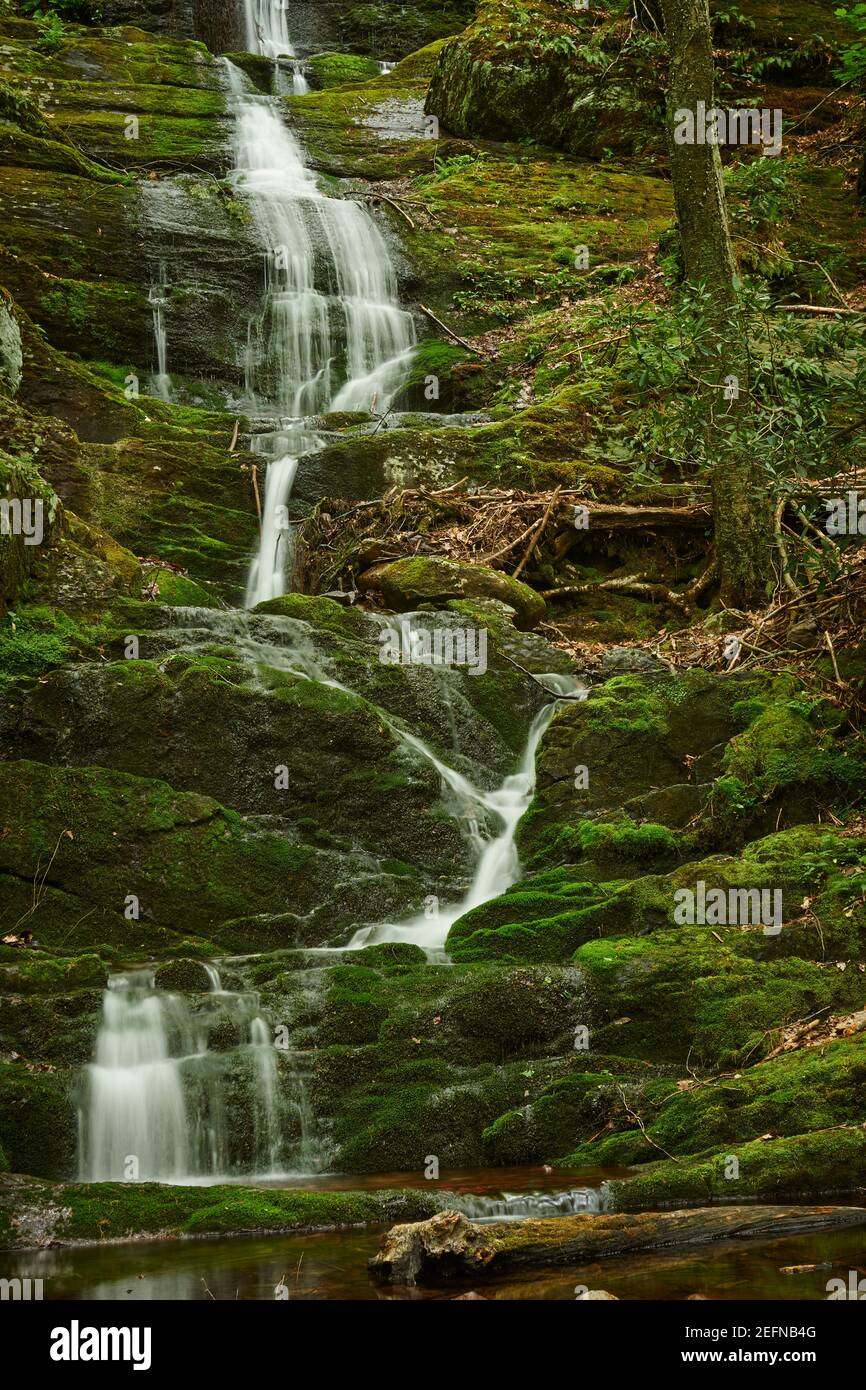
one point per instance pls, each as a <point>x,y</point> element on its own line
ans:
<point>554,73</point>
<point>74,1212</point>
<point>38,1124</point>
<point>411,583</point>
<point>814,1088</point>
<point>812,1166</point>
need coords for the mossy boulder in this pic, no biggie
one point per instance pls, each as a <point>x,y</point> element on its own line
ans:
<point>812,1088</point>
<point>554,73</point>
<point>38,1124</point>
<point>814,1166</point>
<point>432,580</point>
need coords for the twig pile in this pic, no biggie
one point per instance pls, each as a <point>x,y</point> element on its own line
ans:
<point>502,528</point>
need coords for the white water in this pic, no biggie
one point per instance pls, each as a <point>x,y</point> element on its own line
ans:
<point>158,300</point>
<point>160,1105</point>
<point>331,334</point>
<point>136,1111</point>
<point>520,1206</point>
<point>269,569</point>
<point>497,865</point>
<point>267,28</point>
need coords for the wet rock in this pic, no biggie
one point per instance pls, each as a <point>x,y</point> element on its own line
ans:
<point>618,660</point>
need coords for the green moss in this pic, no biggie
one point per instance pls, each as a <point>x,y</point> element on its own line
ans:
<point>126,1211</point>
<point>336,69</point>
<point>38,1125</point>
<point>808,1166</point>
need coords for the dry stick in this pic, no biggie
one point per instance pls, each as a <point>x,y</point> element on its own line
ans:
<point>816,309</point>
<point>385,199</point>
<point>822,535</point>
<point>642,1128</point>
<point>498,554</point>
<point>832,650</point>
<point>530,549</point>
<point>450,331</point>
<point>234,442</point>
<point>788,578</point>
<point>256,491</point>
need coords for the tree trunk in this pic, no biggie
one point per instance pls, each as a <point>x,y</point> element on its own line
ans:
<point>450,1244</point>
<point>743,531</point>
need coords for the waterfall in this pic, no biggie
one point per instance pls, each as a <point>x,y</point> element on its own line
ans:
<point>331,333</point>
<point>497,863</point>
<point>135,1120</point>
<point>160,1103</point>
<point>267,1111</point>
<point>157,298</point>
<point>267,578</point>
<point>267,27</point>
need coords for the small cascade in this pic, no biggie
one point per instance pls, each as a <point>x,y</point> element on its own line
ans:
<point>498,865</point>
<point>268,572</point>
<point>522,1206</point>
<point>385,67</point>
<point>290,77</point>
<point>157,298</point>
<point>267,1108</point>
<point>134,1123</point>
<point>193,1088</point>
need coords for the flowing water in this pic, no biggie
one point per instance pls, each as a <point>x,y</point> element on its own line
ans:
<point>158,301</point>
<point>330,333</point>
<point>187,1089</point>
<point>192,1088</point>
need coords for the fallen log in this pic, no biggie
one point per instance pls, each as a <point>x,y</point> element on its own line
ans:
<point>450,1244</point>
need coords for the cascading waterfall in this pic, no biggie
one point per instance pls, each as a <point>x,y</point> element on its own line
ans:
<point>331,334</point>
<point>157,298</point>
<point>134,1123</point>
<point>159,1103</point>
<point>267,577</point>
<point>497,865</point>
<point>267,27</point>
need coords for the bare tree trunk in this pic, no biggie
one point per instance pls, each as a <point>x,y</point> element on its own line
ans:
<point>740,508</point>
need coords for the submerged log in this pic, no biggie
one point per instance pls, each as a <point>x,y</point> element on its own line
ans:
<point>450,1244</point>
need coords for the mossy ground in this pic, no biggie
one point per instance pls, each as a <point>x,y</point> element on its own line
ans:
<point>126,1211</point>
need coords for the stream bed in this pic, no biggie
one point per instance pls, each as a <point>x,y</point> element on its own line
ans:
<point>333,1265</point>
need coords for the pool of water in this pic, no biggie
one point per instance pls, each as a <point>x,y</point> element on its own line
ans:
<point>333,1266</point>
